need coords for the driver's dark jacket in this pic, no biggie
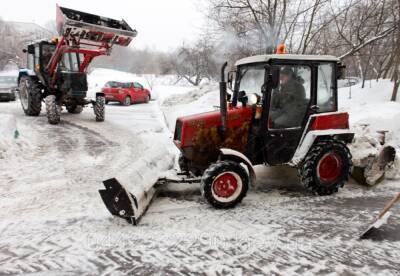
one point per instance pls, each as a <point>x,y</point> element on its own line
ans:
<point>290,101</point>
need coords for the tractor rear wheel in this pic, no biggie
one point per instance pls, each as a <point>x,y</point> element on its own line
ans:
<point>99,108</point>
<point>224,184</point>
<point>326,167</point>
<point>30,96</point>
<point>53,110</point>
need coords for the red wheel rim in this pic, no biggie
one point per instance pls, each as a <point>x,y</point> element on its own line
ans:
<point>330,167</point>
<point>225,185</point>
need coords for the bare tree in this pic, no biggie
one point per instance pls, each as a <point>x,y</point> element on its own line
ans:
<point>195,63</point>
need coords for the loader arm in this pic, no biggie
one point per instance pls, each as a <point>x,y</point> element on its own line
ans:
<point>87,34</point>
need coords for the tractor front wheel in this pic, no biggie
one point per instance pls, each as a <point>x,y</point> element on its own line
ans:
<point>224,184</point>
<point>99,108</point>
<point>326,167</point>
<point>53,110</point>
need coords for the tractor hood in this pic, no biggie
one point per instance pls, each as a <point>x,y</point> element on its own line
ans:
<point>205,128</point>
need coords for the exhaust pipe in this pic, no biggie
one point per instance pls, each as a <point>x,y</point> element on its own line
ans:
<point>222,98</point>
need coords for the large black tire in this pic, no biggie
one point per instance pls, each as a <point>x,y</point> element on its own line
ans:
<point>75,109</point>
<point>224,184</point>
<point>99,108</point>
<point>326,167</point>
<point>127,101</point>
<point>30,96</point>
<point>53,110</point>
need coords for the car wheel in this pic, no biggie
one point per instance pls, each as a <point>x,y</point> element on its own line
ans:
<point>127,101</point>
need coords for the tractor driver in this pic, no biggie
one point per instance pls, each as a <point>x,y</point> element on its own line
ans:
<point>288,101</point>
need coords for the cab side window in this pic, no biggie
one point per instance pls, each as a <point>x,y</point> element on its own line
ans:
<point>289,101</point>
<point>325,94</point>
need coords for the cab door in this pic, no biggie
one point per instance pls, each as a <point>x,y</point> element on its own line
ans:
<point>288,111</point>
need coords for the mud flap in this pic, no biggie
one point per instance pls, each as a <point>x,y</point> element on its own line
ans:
<point>121,203</point>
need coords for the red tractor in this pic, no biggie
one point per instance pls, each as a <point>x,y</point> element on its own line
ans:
<point>283,111</point>
<point>56,69</point>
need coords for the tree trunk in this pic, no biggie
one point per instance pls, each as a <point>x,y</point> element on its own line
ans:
<point>395,86</point>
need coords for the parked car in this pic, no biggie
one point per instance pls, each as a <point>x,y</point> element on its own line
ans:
<point>8,87</point>
<point>126,93</point>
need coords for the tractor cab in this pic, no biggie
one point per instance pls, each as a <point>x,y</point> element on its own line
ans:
<point>283,110</point>
<point>285,91</point>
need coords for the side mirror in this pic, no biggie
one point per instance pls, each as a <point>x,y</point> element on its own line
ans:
<point>242,97</point>
<point>24,50</point>
<point>231,79</point>
<point>275,77</point>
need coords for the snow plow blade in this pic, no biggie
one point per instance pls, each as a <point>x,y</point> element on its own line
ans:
<point>122,203</point>
<point>380,220</point>
<point>93,28</point>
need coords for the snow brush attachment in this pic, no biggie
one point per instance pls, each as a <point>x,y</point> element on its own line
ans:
<point>380,220</point>
<point>123,204</point>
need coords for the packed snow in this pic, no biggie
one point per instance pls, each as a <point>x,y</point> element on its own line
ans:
<point>53,221</point>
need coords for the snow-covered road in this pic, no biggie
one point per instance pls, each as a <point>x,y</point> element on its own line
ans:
<point>52,218</point>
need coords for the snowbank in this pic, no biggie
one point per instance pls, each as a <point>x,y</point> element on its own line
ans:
<point>200,99</point>
<point>8,128</point>
<point>371,112</point>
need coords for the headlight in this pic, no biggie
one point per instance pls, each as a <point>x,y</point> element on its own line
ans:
<point>254,99</point>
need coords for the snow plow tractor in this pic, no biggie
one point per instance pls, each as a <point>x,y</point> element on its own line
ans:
<point>56,69</point>
<point>283,110</point>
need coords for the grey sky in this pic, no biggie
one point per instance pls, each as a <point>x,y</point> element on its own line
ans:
<point>162,24</point>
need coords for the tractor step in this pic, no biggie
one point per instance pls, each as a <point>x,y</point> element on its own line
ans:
<point>93,28</point>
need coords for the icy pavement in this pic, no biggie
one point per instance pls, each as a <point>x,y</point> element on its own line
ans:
<point>52,220</point>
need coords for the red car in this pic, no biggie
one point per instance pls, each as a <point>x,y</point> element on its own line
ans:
<point>126,93</point>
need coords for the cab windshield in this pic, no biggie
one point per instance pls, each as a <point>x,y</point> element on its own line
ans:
<point>250,79</point>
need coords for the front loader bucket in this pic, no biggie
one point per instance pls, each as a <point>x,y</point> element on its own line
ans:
<point>122,203</point>
<point>94,28</point>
